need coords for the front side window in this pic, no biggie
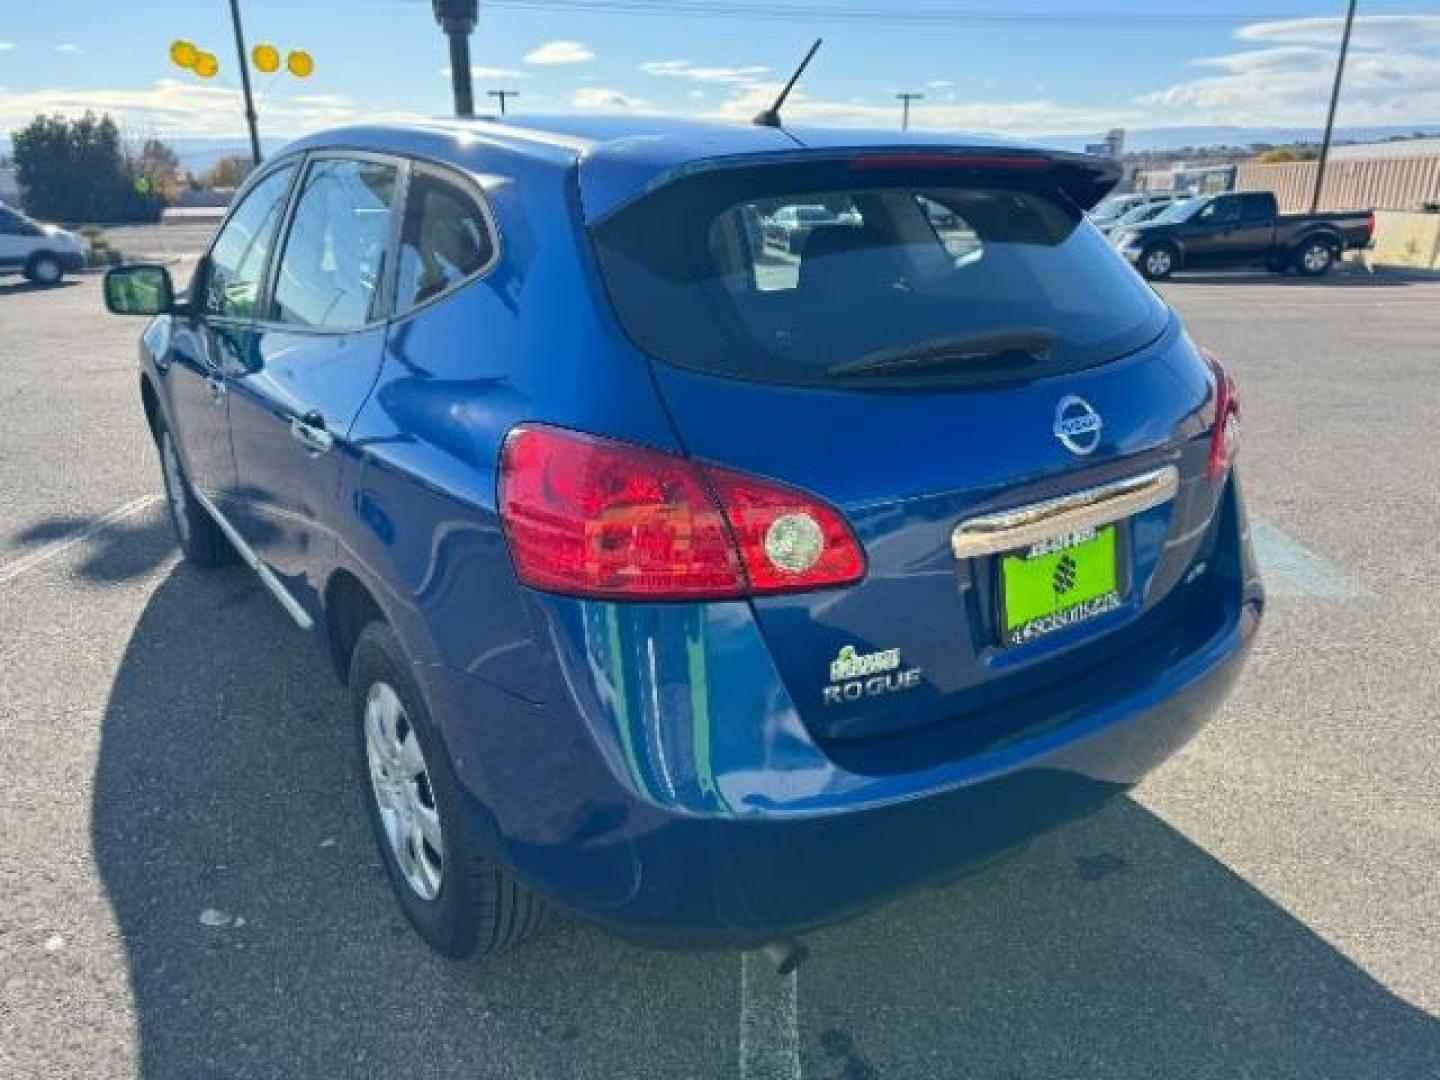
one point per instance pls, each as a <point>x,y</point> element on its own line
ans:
<point>236,267</point>
<point>12,224</point>
<point>444,240</point>
<point>335,252</point>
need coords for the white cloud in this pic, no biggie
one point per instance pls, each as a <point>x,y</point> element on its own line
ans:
<point>1392,76</point>
<point>1039,116</point>
<point>559,52</point>
<point>683,69</point>
<point>68,47</point>
<point>6,46</point>
<point>939,84</point>
<point>604,99</point>
<point>490,73</point>
<point>174,108</point>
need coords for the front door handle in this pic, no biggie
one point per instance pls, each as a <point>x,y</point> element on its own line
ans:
<point>311,432</point>
<point>217,389</point>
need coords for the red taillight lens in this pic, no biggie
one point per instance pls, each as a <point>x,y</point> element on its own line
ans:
<point>593,517</point>
<point>1225,435</point>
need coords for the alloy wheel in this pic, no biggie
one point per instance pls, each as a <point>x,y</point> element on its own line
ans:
<point>400,782</point>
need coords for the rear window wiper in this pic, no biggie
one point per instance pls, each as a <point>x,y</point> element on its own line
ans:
<point>958,351</point>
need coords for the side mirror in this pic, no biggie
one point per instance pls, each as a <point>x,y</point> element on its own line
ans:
<point>139,290</point>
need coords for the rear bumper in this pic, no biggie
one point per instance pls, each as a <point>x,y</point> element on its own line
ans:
<point>669,792</point>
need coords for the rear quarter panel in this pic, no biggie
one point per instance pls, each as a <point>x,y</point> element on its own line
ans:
<point>528,341</point>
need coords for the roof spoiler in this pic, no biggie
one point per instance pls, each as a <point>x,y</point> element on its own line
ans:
<point>1084,178</point>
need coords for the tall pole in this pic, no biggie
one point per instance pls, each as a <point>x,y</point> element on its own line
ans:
<point>457,19</point>
<point>250,116</point>
<point>502,95</point>
<point>905,100</point>
<point>1334,104</point>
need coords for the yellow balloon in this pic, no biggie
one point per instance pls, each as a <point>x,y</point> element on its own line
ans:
<point>266,58</point>
<point>206,65</point>
<point>301,64</point>
<point>184,53</point>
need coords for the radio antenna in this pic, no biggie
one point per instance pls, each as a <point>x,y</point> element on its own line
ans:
<point>771,116</point>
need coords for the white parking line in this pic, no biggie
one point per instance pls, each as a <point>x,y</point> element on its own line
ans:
<point>769,1021</point>
<point>1289,569</point>
<point>56,548</point>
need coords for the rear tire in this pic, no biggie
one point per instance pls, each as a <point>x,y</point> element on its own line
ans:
<point>1316,258</point>
<point>1157,262</point>
<point>459,901</point>
<point>200,539</point>
<point>45,270</point>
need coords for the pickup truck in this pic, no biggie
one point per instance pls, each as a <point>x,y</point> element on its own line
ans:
<point>1242,229</point>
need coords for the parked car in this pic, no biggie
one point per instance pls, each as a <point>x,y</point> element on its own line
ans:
<point>1242,229</point>
<point>708,607</point>
<point>43,253</point>
<point>1146,211</point>
<point>1113,207</point>
<point>790,226</point>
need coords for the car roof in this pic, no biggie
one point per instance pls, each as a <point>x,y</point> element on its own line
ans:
<point>621,156</point>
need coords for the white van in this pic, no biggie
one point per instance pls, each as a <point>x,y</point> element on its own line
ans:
<point>43,253</point>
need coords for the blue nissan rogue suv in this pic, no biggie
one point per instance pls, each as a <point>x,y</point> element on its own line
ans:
<point>706,589</point>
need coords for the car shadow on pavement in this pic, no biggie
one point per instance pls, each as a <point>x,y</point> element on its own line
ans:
<point>11,288</point>
<point>1351,280</point>
<point>262,941</point>
<point>119,551</point>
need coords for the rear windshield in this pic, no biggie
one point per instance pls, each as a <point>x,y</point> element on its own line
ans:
<point>829,273</point>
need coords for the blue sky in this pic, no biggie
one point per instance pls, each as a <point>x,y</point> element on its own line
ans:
<point>1043,67</point>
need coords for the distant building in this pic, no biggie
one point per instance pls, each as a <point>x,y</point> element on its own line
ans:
<point>1392,148</point>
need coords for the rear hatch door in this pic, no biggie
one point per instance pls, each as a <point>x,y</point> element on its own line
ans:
<point>959,344</point>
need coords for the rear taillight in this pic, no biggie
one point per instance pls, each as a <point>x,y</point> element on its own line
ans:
<point>589,516</point>
<point>1370,227</point>
<point>1225,435</point>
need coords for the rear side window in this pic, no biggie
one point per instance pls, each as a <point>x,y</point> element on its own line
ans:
<point>444,240</point>
<point>821,274</point>
<point>335,252</point>
<point>236,266</point>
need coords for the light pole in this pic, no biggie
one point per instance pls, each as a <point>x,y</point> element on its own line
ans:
<point>457,19</point>
<point>1334,104</point>
<point>905,100</point>
<point>502,95</point>
<point>250,117</point>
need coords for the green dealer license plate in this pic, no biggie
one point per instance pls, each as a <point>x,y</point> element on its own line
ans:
<point>1059,582</point>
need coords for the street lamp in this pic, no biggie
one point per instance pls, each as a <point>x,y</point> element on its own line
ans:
<point>457,19</point>
<point>502,95</point>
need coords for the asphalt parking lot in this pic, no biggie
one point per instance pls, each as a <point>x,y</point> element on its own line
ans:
<point>1267,905</point>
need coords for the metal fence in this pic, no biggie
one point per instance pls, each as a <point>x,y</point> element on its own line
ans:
<point>1381,183</point>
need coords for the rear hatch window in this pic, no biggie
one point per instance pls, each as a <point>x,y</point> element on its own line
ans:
<point>839,272</point>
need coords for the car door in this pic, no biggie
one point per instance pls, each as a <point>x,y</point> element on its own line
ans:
<point>1213,231</point>
<point>208,345</point>
<point>314,356</point>
<point>1255,232</point>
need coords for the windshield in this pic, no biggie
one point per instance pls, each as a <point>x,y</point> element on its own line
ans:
<point>1142,213</point>
<point>1183,210</point>
<point>1112,206</point>
<point>899,263</point>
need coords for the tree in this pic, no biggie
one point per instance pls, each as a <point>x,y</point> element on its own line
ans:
<point>74,170</point>
<point>160,166</point>
<point>227,172</point>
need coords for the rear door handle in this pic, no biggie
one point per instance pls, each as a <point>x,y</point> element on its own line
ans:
<point>217,389</point>
<point>311,432</point>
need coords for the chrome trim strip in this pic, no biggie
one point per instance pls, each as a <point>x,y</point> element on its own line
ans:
<point>267,577</point>
<point>1010,530</point>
